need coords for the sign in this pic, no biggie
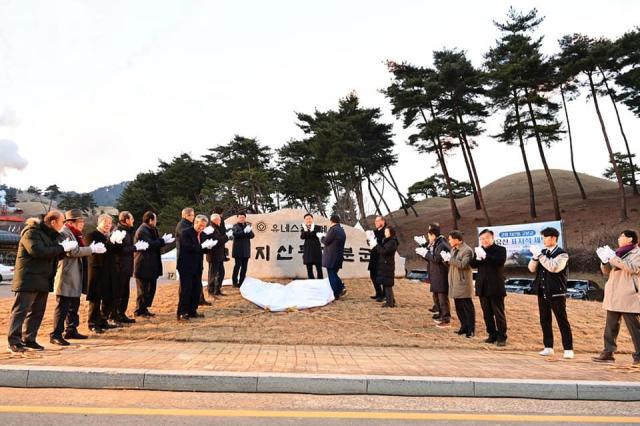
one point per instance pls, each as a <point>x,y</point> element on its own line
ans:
<point>276,249</point>
<point>518,238</point>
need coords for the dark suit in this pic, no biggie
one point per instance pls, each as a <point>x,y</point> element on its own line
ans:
<point>147,266</point>
<point>102,282</point>
<point>333,256</point>
<point>490,289</point>
<point>189,265</point>
<point>124,269</point>
<point>312,250</point>
<point>215,258</point>
<point>373,261</point>
<point>241,253</point>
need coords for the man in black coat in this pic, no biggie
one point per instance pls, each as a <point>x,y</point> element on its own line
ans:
<point>215,255</point>
<point>189,266</point>
<point>147,265</point>
<point>378,236</point>
<point>186,222</point>
<point>312,250</point>
<point>489,258</point>
<point>333,255</point>
<point>36,262</point>
<point>124,265</point>
<point>438,273</point>
<point>242,236</point>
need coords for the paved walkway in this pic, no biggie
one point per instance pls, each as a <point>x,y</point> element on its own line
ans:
<point>167,355</point>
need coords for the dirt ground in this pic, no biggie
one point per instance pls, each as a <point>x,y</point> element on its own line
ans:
<point>353,320</point>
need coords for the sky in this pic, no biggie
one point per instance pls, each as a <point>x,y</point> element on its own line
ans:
<point>94,92</point>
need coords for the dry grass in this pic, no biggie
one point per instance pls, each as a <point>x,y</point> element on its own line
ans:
<point>354,320</point>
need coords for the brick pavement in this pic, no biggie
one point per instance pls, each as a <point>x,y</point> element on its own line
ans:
<point>232,357</point>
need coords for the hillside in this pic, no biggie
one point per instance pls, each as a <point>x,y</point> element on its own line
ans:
<point>108,195</point>
<point>586,222</point>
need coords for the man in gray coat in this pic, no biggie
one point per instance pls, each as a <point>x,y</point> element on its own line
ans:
<point>38,252</point>
<point>70,280</point>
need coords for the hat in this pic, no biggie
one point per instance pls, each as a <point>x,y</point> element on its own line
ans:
<point>73,214</point>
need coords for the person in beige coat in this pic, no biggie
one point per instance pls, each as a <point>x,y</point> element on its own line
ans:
<point>621,293</point>
<point>461,282</point>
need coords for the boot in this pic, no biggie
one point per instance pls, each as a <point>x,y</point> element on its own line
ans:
<point>391,301</point>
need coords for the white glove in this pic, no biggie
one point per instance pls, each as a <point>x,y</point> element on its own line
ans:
<point>480,253</point>
<point>446,256</point>
<point>373,243</point>
<point>422,251</point>
<point>247,229</point>
<point>168,238</point>
<point>141,245</point>
<point>209,244</point>
<point>420,240</point>
<point>98,248</point>
<point>208,230</point>
<point>321,235</point>
<point>117,236</point>
<point>605,254</point>
<point>230,233</point>
<point>370,235</point>
<point>535,250</point>
<point>68,245</point>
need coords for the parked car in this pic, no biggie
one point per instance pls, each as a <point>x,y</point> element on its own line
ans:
<point>6,273</point>
<point>584,290</point>
<point>518,285</point>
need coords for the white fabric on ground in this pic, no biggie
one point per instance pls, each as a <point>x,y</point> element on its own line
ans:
<point>298,294</point>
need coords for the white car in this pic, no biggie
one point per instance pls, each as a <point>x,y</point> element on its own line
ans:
<point>6,273</point>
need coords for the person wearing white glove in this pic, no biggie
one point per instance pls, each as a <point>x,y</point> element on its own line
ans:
<point>147,264</point>
<point>461,282</point>
<point>68,245</point>
<point>550,284</point>
<point>98,248</point>
<point>37,252</point>
<point>68,282</point>
<point>189,266</point>
<point>535,251</point>
<point>420,240</point>
<point>208,230</point>
<point>311,248</point>
<point>376,236</point>
<point>168,238</point>
<point>117,237</point>
<point>124,252</point>
<point>141,245</point>
<point>438,275</point>
<point>605,254</point>
<point>621,295</point>
<point>229,234</point>
<point>216,256</point>
<point>446,256</point>
<point>241,252</point>
<point>489,260</point>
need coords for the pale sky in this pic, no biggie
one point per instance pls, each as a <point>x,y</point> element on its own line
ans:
<point>98,91</point>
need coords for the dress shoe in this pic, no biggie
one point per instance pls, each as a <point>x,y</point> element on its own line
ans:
<point>381,299</point>
<point>604,357</point>
<point>461,331</point>
<point>196,315</point>
<point>32,346</point>
<point>433,309</point>
<point>343,292</point>
<point>126,320</point>
<point>469,335</point>
<point>490,339</point>
<point>96,330</point>
<point>183,317</point>
<point>387,305</point>
<point>374,297</point>
<point>443,324</point>
<point>501,343</point>
<point>58,340</point>
<point>74,335</point>
<point>205,302</point>
<point>16,348</point>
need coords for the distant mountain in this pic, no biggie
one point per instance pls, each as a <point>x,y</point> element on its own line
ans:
<point>108,195</point>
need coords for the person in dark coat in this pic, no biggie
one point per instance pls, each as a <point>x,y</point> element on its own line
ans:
<point>147,265</point>
<point>186,222</point>
<point>333,255</point>
<point>385,275</point>
<point>489,259</point>
<point>35,270</point>
<point>216,255</point>
<point>124,265</point>
<point>102,280</point>
<point>438,273</point>
<point>189,266</point>
<point>377,235</point>
<point>242,236</point>
<point>312,249</point>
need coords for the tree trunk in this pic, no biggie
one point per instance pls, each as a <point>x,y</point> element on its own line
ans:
<point>375,202</point>
<point>475,172</point>
<point>623,198</point>
<point>394,185</point>
<point>624,136</point>
<point>573,165</point>
<point>437,143</point>
<point>532,196</point>
<point>552,186</point>
<point>386,206</point>
<point>471,178</point>
<point>360,199</point>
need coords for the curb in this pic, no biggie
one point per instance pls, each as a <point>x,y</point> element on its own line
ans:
<point>322,384</point>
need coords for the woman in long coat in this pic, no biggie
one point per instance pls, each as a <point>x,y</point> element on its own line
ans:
<point>385,276</point>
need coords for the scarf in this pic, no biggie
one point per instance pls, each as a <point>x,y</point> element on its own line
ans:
<point>625,249</point>
<point>77,234</point>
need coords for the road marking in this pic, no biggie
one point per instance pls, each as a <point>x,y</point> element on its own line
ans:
<point>362,415</point>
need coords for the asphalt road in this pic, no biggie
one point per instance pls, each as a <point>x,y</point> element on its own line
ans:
<point>98,407</point>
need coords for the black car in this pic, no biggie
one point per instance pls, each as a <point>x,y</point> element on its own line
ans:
<point>519,285</point>
<point>584,290</point>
